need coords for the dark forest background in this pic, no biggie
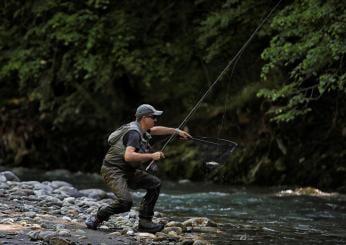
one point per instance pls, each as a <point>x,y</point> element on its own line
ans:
<point>73,71</point>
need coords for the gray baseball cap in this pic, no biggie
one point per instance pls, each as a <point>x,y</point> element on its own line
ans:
<point>147,110</point>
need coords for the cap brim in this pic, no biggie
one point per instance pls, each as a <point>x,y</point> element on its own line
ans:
<point>157,113</point>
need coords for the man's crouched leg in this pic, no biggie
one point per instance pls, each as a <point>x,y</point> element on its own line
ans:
<point>146,212</point>
<point>104,213</point>
<point>115,179</point>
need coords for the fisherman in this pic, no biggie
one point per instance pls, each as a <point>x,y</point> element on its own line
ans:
<point>129,150</point>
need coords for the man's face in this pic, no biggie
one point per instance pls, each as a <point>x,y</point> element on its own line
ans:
<point>150,121</point>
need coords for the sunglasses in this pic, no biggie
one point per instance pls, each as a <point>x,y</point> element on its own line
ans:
<point>153,117</point>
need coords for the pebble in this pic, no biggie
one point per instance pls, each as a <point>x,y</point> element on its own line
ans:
<point>67,218</point>
<point>187,242</point>
<point>7,221</point>
<point>177,230</point>
<point>59,241</point>
<point>146,235</point>
<point>200,242</point>
<point>130,233</point>
<point>36,226</point>
<point>174,223</point>
<point>80,231</point>
<point>199,221</point>
<point>64,233</point>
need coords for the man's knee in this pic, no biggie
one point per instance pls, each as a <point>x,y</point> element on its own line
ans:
<point>156,183</point>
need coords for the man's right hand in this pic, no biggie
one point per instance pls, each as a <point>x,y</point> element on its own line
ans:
<point>157,155</point>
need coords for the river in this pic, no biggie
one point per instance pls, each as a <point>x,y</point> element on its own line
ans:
<point>247,215</point>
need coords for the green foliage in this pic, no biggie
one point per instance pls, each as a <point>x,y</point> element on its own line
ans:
<point>309,47</point>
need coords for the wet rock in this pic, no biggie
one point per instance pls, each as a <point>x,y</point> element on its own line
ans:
<point>2,178</point>
<point>187,242</point>
<point>172,235</point>
<point>59,241</point>
<point>46,235</point>
<point>188,229</point>
<point>160,236</point>
<point>9,176</point>
<point>4,185</point>
<point>36,226</point>
<point>67,191</point>
<point>199,221</point>
<point>157,214</point>
<point>175,224</point>
<point>96,194</point>
<point>110,195</point>
<point>69,200</point>
<point>64,233</point>
<point>130,233</point>
<point>59,227</point>
<point>23,223</point>
<point>51,200</point>
<point>34,235</point>
<point>145,235</point>
<point>23,193</point>
<point>7,221</point>
<point>200,242</point>
<point>132,215</point>
<point>116,233</point>
<point>67,218</point>
<point>29,214</point>
<point>71,211</point>
<point>177,230</point>
<point>104,227</point>
<point>184,181</point>
<point>55,184</point>
<point>311,191</point>
<point>205,229</point>
<point>81,232</point>
<point>43,190</point>
<point>304,191</point>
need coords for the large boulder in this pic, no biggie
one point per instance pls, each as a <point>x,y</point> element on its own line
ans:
<point>8,176</point>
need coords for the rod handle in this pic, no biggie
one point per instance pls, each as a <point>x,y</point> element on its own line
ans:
<point>150,164</point>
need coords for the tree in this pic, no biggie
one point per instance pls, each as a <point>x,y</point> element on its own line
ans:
<point>307,48</point>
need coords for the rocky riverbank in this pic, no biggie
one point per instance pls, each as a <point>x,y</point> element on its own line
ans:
<point>53,212</point>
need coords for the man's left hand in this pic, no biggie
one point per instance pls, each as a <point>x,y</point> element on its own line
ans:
<point>182,134</point>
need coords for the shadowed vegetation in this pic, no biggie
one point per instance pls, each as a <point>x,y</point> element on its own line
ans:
<point>73,71</point>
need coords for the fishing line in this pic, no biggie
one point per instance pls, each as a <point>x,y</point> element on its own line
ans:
<point>237,55</point>
<point>208,141</point>
<point>227,98</point>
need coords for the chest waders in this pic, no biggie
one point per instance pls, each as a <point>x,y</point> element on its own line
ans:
<point>121,175</point>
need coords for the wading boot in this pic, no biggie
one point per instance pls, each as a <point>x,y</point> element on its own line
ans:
<point>146,225</point>
<point>92,222</point>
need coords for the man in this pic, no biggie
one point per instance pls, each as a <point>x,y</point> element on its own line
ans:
<point>128,151</point>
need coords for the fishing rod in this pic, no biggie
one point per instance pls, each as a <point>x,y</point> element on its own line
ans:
<point>237,55</point>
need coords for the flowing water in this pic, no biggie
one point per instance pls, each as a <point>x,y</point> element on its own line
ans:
<point>260,215</point>
<point>251,215</point>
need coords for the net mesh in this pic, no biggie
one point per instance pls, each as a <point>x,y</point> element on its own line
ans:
<point>214,149</point>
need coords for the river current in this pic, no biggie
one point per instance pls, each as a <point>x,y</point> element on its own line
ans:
<point>246,215</point>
